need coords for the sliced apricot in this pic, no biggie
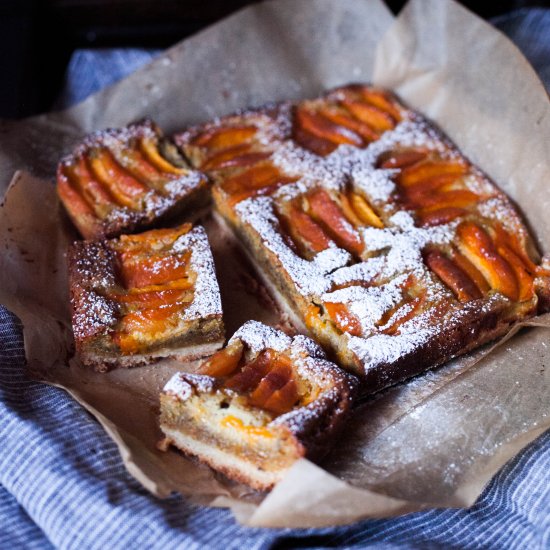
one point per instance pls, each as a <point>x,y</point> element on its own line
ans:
<point>225,361</point>
<point>303,228</point>
<point>412,306</point>
<point>220,137</point>
<point>456,198</point>
<point>452,275</point>
<point>474,273</point>
<point>279,375</point>
<point>315,144</point>
<point>93,190</point>
<point>238,156</point>
<point>148,321</point>
<point>525,280</point>
<point>343,319</point>
<point>416,173</point>
<point>251,374</point>
<point>136,271</point>
<point>401,159</point>
<point>477,246</point>
<point>282,400</point>
<point>325,210</point>
<point>380,100</point>
<point>149,147</point>
<point>138,165</point>
<point>148,300</point>
<point>439,216</point>
<point>122,185</point>
<point>378,120</point>
<point>255,178</point>
<point>80,211</point>
<point>322,127</point>
<point>360,128</point>
<point>364,211</point>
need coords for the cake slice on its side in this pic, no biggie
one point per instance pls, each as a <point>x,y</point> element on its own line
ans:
<point>257,406</point>
<point>143,297</point>
<point>124,180</point>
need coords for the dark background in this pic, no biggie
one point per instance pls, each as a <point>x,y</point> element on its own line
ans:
<point>37,37</point>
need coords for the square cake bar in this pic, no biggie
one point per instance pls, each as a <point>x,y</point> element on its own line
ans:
<point>139,298</point>
<point>373,231</point>
<point>123,180</point>
<point>257,406</point>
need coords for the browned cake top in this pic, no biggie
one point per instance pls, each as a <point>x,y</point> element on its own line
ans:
<point>384,228</point>
<point>136,287</point>
<point>118,178</point>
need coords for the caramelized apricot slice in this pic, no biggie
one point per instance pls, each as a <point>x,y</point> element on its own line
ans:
<point>322,127</point>
<point>221,137</point>
<point>452,275</point>
<point>282,400</point>
<point>305,229</point>
<point>255,178</point>
<point>138,271</point>
<point>456,198</point>
<point>343,319</point>
<point>380,100</point>
<point>237,156</point>
<point>360,128</point>
<point>401,159</point>
<point>317,145</point>
<point>149,148</point>
<point>250,375</point>
<point>412,308</point>
<point>474,273</point>
<point>418,172</point>
<point>94,191</point>
<point>364,211</point>
<point>525,280</point>
<point>124,187</point>
<point>150,300</point>
<point>136,163</point>
<point>477,246</point>
<point>279,375</point>
<point>329,214</point>
<point>149,321</point>
<point>378,120</point>
<point>439,216</point>
<point>78,208</point>
<point>225,361</point>
<point>161,237</point>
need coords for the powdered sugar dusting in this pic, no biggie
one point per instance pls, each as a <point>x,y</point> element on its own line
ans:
<point>206,299</point>
<point>310,277</point>
<point>258,337</point>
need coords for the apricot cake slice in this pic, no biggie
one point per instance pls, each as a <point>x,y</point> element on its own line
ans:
<point>257,406</point>
<point>122,180</point>
<point>139,298</point>
<point>373,231</point>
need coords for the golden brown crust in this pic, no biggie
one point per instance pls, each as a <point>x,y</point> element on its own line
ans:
<point>128,179</point>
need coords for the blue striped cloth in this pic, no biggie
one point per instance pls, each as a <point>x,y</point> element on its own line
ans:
<point>63,484</point>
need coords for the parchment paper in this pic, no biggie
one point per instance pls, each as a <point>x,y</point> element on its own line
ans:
<point>434,441</point>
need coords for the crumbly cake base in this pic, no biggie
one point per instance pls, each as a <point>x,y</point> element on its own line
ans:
<point>105,363</point>
<point>225,462</point>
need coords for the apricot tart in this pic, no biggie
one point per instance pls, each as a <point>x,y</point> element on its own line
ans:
<point>373,230</point>
<point>257,406</point>
<point>143,297</point>
<point>119,181</point>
